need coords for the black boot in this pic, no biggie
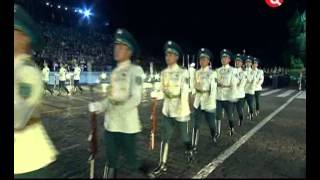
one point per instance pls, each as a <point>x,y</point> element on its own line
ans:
<point>144,169</point>
<point>231,131</point>
<point>109,173</point>
<point>257,113</point>
<point>213,136</point>
<point>189,152</point>
<point>195,139</point>
<point>162,167</point>
<point>218,126</point>
<point>240,121</point>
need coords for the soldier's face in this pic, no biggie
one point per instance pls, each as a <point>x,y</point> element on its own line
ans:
<point>204,62</point>
<point>21,42</point>
<point>171,58</point>
<point>238,64</point>
<point>254,65</point>
<point>121,52</point>
<point>225,60</point>
<point>248,64</point>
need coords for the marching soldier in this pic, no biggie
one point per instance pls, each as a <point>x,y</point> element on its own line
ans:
<point>250,86</point>
<point>242,80</point>
<point>227,82</point>
<point>174,88</point>
<point>76,78</point>
<point>124,95</point>
<point>205,97</point>
<point>33,149</point>
<point>62,79</point>
<point>259,78</point>
<point>45,78</point>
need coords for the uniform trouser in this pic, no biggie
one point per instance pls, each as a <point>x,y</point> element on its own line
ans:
<point>44,172</point>
<point>46,87</point>
<point>76,84</point>
<point>239,105</point>
<point>62,84</point>
<point>168,127</point>
<point>257,99</point>
<point>116,143</point>
<point>210,117</point>
<point>249,99</point>
<point>228,107</point>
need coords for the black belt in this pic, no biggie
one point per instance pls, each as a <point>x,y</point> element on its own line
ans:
<point>172,96</point>
<point>201,92</point>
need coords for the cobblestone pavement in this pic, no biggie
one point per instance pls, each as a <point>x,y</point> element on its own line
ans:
<point>276,150</point>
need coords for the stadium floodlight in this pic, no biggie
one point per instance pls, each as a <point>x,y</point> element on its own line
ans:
<point>87,13</point>
<point>47,3</point>
<point>80,11</point>
<point>76,10</point>
<point>51,5</point>
<point>66,8</point>
<point>59,6</point>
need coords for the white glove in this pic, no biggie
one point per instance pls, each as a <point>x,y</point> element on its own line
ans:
<point>193,92</point>
<point>95,107</point>
<point>154,94</point>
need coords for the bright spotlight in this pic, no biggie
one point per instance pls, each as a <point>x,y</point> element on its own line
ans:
<point>59,6</point>
<point>87,13</point>
<point>47,3</point>
<point>80,11</point>
<point>76,10</point>
<point>66,8</point>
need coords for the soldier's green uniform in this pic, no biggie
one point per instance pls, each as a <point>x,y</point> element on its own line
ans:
<point>45,78</point>
<point>250,86</point>
<point>259,78</point>
<point>242,80</point>
<point>122,123</point>
<point>227,82</point>
<point>33,149</point>
<point>205,98</point>
<point>174,87</point>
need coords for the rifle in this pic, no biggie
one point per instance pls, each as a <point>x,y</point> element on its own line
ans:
<point>153,124</point>
<point>92,137</point>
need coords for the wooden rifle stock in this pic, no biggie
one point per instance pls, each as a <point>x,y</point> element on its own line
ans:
<point>153,124</point>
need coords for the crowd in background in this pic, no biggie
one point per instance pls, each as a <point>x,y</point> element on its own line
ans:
<point>66,45</point>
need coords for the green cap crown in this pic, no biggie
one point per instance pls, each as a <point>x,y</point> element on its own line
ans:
<point>172,47</point>
<point>24,23</point>
<point>204,52</point>
<point>122,36</point>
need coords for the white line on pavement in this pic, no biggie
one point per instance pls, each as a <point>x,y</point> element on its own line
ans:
<point>302,95</point>
<point>286,93</point>
<point>70,147</point>
<point>205,171</point>
<point>270,92</point>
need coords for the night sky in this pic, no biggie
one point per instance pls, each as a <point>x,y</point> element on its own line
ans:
<point>233,24</point>
<point>214,24</point>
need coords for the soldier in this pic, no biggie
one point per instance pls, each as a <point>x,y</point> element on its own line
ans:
<point>205,97</point>
<point>259,77</point>
<point>45,77</point>
<point>242,80</point>
<point>174,88</point>
<point>227,82</point>
<point>34,152</point>
<point>76,78</point>
<point>62,79</point>
<point>249,87</point>
<point>124,95</point>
